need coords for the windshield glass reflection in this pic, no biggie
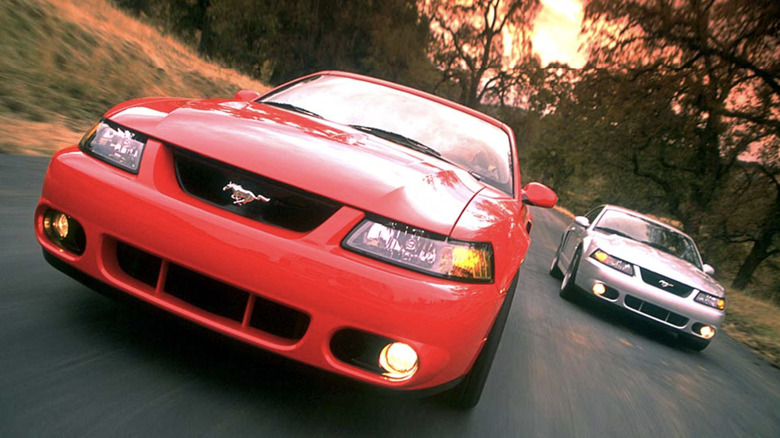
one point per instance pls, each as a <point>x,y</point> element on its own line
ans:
<point>460,138</point>
<point>659,237</point>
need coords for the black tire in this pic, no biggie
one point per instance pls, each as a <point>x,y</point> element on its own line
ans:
<point>568,286</point>
<point>467,393</point>
<point>692,342</point>
<point>554,271</point>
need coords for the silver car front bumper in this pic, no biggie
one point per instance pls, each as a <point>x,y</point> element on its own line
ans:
<point>630,292</point>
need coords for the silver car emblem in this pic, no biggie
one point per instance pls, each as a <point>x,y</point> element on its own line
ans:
<point>665,283</point>
<point>243,196</point>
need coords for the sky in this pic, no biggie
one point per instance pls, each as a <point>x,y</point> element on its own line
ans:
<point>556,32</point>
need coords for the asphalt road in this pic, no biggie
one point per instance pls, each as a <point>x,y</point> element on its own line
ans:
<point>74,363</point>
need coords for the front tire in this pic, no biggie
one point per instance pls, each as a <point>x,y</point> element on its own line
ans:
<point>467,393</point>
<point>555,271</point>
<point>568,286</point>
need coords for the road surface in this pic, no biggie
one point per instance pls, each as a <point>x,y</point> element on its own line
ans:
<point>74,363</point>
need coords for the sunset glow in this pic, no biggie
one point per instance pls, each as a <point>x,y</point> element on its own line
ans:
<point>556,32</point>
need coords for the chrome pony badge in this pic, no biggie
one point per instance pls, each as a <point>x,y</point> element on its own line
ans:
<point>664,284</point>
<point>243,196</point>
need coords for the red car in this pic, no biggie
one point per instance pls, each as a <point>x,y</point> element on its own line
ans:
<point>353,224</point>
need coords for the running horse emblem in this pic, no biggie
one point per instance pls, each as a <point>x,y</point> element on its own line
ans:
<point>243,196</point>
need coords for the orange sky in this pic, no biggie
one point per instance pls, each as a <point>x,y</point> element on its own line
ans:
<point>556,31</point>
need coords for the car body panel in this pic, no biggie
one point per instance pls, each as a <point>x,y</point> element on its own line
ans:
<point>585,240</point>
<point>372,175</point>
<point>445,320</point>
<point>310,273</point>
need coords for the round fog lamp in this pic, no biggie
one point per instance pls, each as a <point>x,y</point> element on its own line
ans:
<point>399,360</point>
<point>599,288</point>
<point>707,331</point>
<point>60,225</point>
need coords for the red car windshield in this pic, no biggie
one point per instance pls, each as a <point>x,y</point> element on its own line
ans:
<point>476,145</point>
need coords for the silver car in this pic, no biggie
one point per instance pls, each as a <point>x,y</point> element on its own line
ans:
<point>645,266</point>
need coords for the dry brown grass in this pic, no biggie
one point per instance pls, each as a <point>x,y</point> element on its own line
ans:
<point>65,62</point>
<point>755,323</point>
<point>162,52</point>
<point>35,138</point>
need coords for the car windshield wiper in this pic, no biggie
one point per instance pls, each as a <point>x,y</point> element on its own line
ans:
<point>400,139</point>
<point>660,247</point>
<point>614,231</point>
<point>291,107</point>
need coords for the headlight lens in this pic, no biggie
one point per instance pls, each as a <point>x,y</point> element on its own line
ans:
<point>613,262</point>
<point>710,300</point>
<point>114,144</point>
<point>422,251</point>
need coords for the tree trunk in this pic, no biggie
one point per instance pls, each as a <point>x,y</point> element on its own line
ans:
<point>206,35</point>
<point>758,253</point>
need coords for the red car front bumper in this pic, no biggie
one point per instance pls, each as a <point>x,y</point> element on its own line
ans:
<point>310,276</point>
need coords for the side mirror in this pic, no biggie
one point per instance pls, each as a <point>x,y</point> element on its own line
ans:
<point>709,270</point>
<point>582,221</point>
<point>539,195</point>
<point>246,95</point>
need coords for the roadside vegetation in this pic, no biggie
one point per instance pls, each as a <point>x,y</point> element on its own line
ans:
<point>755,323</point>
<point>677,115</point>
<point>63,63</point>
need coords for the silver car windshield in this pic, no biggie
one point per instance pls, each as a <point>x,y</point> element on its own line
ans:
<point>659,237</point>
<point>478,146</point>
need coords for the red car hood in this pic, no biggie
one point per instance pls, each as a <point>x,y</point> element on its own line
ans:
<point>316,155</point>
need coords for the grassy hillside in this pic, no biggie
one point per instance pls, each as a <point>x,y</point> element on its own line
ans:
<point>64,62</point>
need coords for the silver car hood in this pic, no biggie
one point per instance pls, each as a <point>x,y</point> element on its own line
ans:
<point>645,256</point>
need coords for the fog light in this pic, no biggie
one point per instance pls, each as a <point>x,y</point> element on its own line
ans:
<point>399,361</point>
<point>599,289</point>
<point>60,225</point>
<point>64,231</point>
<point>707,331</point>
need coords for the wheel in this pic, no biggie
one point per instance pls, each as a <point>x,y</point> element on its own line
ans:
<point>554,271</point>
<point>692,342</point>
<point>568,286</point>
<point>467,393</point>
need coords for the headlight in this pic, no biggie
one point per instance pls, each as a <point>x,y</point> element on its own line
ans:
<point>613,262</point>
<point>114,144</point>
<point>710,300</point>
<point>422,251</point>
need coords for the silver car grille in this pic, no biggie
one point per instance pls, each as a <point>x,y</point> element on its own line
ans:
<point>666,284</point>
<point>656,312</point>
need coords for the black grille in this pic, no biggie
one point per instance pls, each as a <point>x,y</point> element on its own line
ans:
<point>211,295</point>
<point>655,311</point>
<point>206,293</point>
<point>665,283</point>
<point>138,264</point>
<point>278,320</point>
<point>290,208</point>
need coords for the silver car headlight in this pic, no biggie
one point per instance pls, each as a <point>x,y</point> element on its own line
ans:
<point>710,300</point>
<point>422,251</point>
<point>613,262</point>
<point>114,144</point>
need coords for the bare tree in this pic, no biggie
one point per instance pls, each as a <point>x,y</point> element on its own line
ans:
<point>723,56</point>
<point>481,45</point>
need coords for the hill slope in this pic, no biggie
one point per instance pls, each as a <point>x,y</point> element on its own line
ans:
<point>64,62</point>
